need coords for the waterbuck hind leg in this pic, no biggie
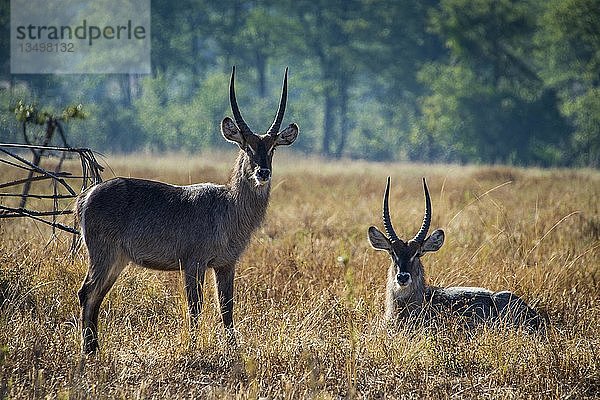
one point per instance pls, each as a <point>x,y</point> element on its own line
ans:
<point>224,280</point>
<point>89,318</point>
<point>102,273</point>
<point>194,282</point>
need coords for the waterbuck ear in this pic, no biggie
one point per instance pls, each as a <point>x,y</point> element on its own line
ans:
<point>433,242</point>
<point>231,132</point>
<point>378,240</point>
<point>287,136</point>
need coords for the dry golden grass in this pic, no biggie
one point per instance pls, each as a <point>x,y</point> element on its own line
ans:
<point>309,293</point>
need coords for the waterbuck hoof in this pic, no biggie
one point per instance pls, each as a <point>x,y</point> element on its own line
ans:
<point>90,347</point>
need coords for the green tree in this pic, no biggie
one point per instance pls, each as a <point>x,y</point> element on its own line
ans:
<point>398,46</point>
<point>569,60</point>
<point>172,123</point>
<point>331,33</point>
<point>488,103</point>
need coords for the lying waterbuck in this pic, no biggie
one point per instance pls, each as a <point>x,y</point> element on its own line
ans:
<point>409,297</point>
<point>190,228</point>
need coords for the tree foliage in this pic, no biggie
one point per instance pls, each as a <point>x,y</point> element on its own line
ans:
<point>569,55</point>
<point>438,80</point>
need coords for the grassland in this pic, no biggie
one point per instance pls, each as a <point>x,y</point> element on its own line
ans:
<point>309,293</point>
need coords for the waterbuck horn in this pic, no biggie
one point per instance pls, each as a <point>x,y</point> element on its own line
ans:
<point>387,222</point>
<point>274,129</point>
<point>234,106</point>
<point>420,236</point>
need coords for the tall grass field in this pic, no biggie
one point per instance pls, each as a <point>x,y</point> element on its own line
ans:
<point>309,292</point>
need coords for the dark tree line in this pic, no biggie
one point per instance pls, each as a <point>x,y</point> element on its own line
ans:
<point>438,81</point>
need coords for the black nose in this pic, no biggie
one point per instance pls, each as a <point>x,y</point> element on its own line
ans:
<point>263,174</point>
<point>403,278</point>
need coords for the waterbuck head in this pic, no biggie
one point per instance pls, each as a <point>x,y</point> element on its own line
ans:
<point>406,275</point>
<point>258,148</point>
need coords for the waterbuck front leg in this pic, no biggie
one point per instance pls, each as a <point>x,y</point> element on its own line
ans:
<point>224,279</point>
<point>194,281</point>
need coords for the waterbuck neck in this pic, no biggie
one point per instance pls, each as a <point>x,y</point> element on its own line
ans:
<point>249,200</point>
<point>402,302</point>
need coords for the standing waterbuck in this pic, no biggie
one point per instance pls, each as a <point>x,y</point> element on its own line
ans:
<point>409,297</point>
<point>189,228</point>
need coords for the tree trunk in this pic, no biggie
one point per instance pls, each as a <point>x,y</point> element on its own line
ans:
<point>328,124</point>
<point>261,70</point>
<point>344,123</point>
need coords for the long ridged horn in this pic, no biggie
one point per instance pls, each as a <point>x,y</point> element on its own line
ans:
<point>274,129</point>
<point>387,222</point>
<point>234,106</point>
<point>420,236</point>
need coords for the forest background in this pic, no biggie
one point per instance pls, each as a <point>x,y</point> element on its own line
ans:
<point>459,81</point>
